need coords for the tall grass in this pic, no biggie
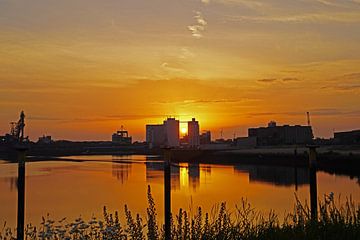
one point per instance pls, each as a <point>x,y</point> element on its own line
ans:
<point>336,220</point>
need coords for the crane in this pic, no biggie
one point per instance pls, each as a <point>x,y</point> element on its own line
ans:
<point>17,128</point>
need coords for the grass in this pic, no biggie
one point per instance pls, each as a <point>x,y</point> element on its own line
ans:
<point>336,220</point>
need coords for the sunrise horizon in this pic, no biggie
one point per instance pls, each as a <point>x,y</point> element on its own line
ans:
<point>82,69</point>
<point>180,119</point>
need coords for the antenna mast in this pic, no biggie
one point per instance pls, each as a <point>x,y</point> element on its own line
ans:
<point>308,118</point>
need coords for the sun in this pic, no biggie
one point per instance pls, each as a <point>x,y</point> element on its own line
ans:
<point>183,130</point>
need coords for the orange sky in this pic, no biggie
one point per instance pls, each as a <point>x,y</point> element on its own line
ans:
<point>82,69</point>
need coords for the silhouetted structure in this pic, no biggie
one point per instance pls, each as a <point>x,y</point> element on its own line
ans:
<point>21,193</point>
<point>172,132</point>
<point>313,181</point>
<point>10,140</point>
<point>245,142</point>
<point>122,137</point>
<point>193,133</point>
<point>17,132</point>
<point>155,135</point>
<point>347,138</point>
<point>205,137</point>
<point>163,135</point>
<point>44,140</point>
<point>167,193</point>
<point>281,135</point>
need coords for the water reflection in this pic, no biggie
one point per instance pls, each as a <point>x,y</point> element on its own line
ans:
<point>68,188</point>
<point>190,174</point>
<point>194,175</point>
<point>155,174</point>
<point>12,181</point>
<point>182,175</point>
<point>121,171</point>
<point>279,176</point>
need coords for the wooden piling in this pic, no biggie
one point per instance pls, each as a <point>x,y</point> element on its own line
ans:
<point>167,193</point>
<point>313,181</point>
<point>21,151</point>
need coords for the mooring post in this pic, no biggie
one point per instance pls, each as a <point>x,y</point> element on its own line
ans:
<point>167,193</point>
<point>295,169</point>
<point>313,181</point>
<point>21,151</point>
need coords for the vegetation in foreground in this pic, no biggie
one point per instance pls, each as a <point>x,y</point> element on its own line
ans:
<point>335,221</point>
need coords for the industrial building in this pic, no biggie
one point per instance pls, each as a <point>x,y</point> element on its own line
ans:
<point>194,133</point>
<point>172,132</point>
<point>155,135</point>
<point>245,142</point>
<point>168,135</point>
<point>347,138</point>
<point>281,135</point>
<point>205,137</point>
<point>122,137</point>
<point>45,140</point>
<point>163,135</point>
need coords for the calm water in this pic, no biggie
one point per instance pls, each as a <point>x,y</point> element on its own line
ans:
<point>73,188</point>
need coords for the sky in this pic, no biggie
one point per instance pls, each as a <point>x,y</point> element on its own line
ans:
<point>82,68</point>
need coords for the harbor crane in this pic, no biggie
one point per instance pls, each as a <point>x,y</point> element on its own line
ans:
<point>17,128</point>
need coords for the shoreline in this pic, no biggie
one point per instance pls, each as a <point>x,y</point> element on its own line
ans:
<point>330,162</point>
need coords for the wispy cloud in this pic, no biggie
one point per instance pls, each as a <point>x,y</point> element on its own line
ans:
<point>185,53</point>
<point>198,28</point>
<point>290,79</point>
<point>344,87</point>
<point>97,119</point>
<point>350,76</point>
<point>348,82</point>
<point>273,80</point>
<point>267,80</point>
<point>253,4</point>
<point>175,70</point>
<point>209,101</point>
<point>313,112</point>
<point>339,17</point>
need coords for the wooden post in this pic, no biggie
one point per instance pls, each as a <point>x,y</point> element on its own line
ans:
<point>21,192</point>
<point>295,169</point>
<point>167,193</point>
<point>313,181</point>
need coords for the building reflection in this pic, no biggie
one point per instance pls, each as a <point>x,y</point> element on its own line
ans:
<point>12,181</point>
<point>121,171</point>
<point>279,176</point>
<point>182,175</point>
<point>194,175</point>
<point>205,170</point>
<point>155,174</point>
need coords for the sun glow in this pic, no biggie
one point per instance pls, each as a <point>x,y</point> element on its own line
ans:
<point>183,130</point>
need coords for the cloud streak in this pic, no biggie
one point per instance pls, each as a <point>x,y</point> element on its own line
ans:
<point>348,82</point>
<point>209,101</point>
<point>314,112</point>
<point>98,119</point>
<point>273,80</point>
<point>339,17</point>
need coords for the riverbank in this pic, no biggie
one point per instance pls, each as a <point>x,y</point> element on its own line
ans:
<point>332,159</point>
